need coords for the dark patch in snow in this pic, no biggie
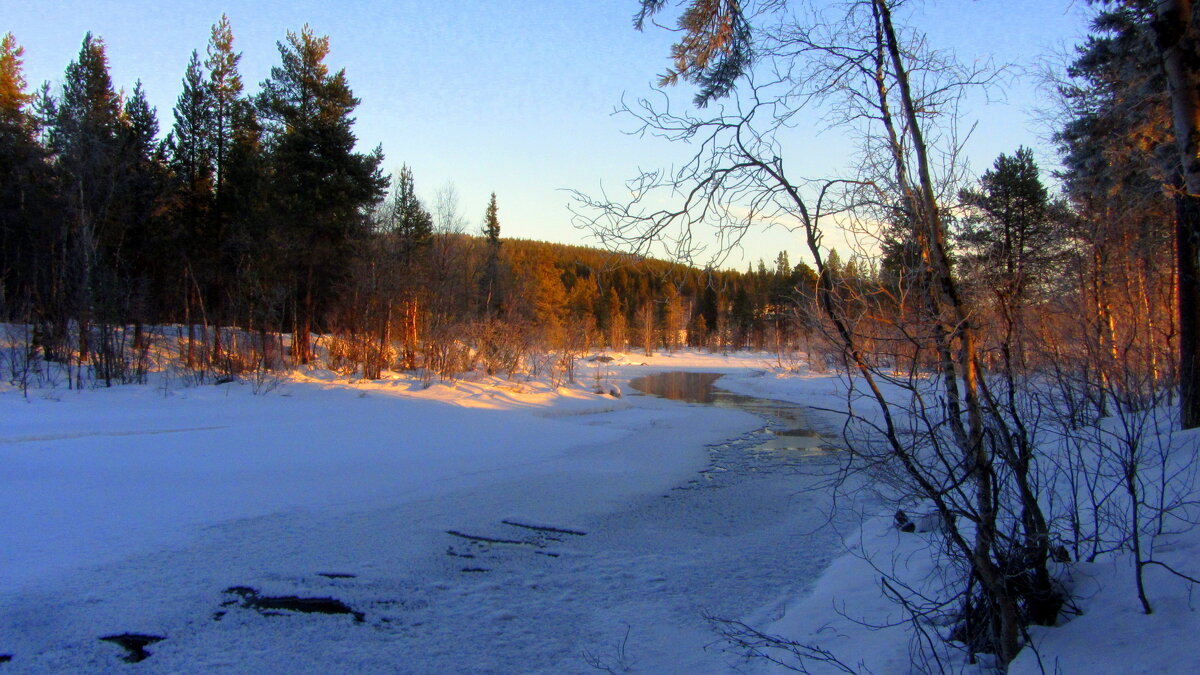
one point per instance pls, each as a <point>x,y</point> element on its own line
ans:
<point>545,528</point>
<point>5,658</point>
<point>268,604</point>
<point>476,569</point>
<point>337,575</point>
<point>135,644</point>
<point>490,540</point>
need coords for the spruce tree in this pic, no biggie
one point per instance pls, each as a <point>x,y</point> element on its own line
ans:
<point>491,222</point>
<point>489,283</point>
<point>86,141</point>
<point>143,194</point>
<point>192,133</point>
<point>411,224</point>
<point>191,158</point>
<point>86,134</point>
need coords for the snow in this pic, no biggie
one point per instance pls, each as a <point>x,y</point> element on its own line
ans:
<point>601,529</point>
<point>132,509</point>
<point>847,611</point>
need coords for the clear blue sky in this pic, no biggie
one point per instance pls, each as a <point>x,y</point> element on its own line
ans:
<point>511,96</point>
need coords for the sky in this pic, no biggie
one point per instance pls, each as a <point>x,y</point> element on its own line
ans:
<point>510,96</point>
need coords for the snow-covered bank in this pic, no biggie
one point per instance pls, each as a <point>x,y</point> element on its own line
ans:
<point>133,509</point>
<point>1104,630</point>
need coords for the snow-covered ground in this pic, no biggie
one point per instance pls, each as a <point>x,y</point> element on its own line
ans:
<point>479,526</point>
<point>132,510</point>
<point>847,614</point>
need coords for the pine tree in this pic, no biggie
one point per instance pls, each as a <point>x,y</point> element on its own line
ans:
<point>86,133</point>
<point>1013,235</point>
<point>709,310</point>
<point>900,265</point>
<point>323,190</point>
<point>614,319</point>
<point>1176,28</point>
<point>672,318</point>
<point>548,300</point>
<point>13,97</point>
<point>1119,154</point>
<point>237,173</point>
<point>225,91</point>
<point>408,234</point>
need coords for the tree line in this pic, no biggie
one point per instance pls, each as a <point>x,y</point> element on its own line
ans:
<point>247,210</point>
<point>252,225</point>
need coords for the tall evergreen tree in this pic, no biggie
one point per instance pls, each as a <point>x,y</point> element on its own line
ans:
<point>192,133</point>
<point>1011,245</point>
<point>143,191</point>
<point>1124,177</point>
<point>25,187</point>
<point>225,89</point>
<point>86,134</point>
<point>1176,27</point>
<point>191,158</point>
<point>489,284</point>
<point>411,224</point>
<point>13,97</point>
<point>86,140</point>
<point>234,142</point>
<point>323,189</point>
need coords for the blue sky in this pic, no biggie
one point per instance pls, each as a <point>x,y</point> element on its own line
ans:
<point>511,96</point>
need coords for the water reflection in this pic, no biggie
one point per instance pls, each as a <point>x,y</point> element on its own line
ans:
<point>789,431</point>
<point>690,387</point>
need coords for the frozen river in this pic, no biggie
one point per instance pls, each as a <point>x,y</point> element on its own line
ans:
<point>610,553</point>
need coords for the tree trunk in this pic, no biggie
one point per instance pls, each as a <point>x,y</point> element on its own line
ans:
<point>1188,243</point>
<point>1176,42</point>
<point>301,344</point>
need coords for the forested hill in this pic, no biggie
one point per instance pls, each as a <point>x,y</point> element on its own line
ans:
<point>651,302</point>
